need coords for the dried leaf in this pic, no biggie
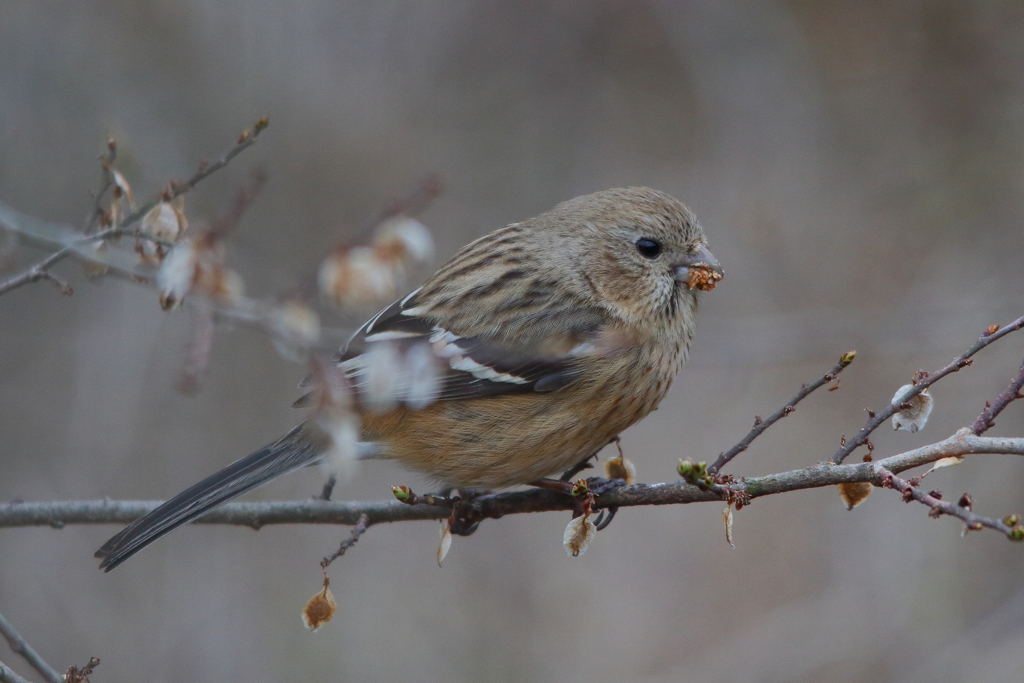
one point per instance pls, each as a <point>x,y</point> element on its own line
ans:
<point>854,493</point>
<point>948,461</point>
<point>620,468</point>
<point>578,535</point>
<point>446,541</point>
<point>727,518</point>
<point>916,416</point>
<point>319,609</point>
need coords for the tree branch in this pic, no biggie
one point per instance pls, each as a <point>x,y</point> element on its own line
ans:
<point>987,419</point>
<point>760,426</point>
<point>39,271</point>
<point>493,506</point>
<point>8,676</point>
<point>27,652</point>
<point>875,420</point>
<point>962,510</point>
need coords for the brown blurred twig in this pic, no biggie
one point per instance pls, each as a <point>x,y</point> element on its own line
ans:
<point>27,652</point>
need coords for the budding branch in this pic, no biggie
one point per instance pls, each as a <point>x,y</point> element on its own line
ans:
<point>493,506</point>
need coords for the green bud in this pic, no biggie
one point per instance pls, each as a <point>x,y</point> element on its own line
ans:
<point>580,488</point>
<point>1017,533</point>
<point>1011,520</point>
<point>402,493</point>
<point>847,358</point>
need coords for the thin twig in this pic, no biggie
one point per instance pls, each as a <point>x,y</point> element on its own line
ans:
<point>106,163</point>
<point>761,425</point>
<point>27,652</point>
<point>7,675</point>
<point>961,361</point>
<point>176,189</point>
<point>987,419</point>
<point>941,507</point>
<point>419,200</point>
<point>358,530</point>
<point>200,348</point>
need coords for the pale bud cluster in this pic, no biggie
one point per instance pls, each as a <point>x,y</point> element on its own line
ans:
<point>392,375</point>
<point>335,417</point>
<point>294,329</point>
<point>164,223</point>
<point>372,275</point>
<point>197,265</point>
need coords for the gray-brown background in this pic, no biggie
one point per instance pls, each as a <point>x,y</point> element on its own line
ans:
<point>858,168</point>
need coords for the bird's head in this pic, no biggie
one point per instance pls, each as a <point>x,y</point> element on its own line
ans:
<point>641,252</point>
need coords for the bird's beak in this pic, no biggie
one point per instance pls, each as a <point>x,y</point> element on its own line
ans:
<point>699,270</point>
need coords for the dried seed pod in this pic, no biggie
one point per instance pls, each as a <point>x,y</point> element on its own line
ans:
<point>854,493</point>
<point>915,416</point>
<point>620,468</point>
<point>727,518</point>
<point>446,541</point>
<point>320,608</point>
<point>578,535</point>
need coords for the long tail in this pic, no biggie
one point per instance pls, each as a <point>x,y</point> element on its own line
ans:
<point>295,449</point>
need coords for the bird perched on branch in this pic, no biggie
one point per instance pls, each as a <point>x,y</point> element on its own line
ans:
<point>552,336</point>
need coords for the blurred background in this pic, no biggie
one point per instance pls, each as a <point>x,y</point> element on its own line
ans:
<point>858,169</point>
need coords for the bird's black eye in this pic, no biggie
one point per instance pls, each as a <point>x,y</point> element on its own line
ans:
<point>648,248</point>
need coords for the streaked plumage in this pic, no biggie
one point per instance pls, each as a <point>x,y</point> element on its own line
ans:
<point>554,335</point>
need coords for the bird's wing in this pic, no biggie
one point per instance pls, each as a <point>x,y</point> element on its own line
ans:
<point>469,366</point>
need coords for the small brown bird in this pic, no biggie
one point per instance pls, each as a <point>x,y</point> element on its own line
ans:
<point>554,335</point>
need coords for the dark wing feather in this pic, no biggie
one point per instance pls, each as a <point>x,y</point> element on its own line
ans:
<point>289,453</point>
<point>472,366</point>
